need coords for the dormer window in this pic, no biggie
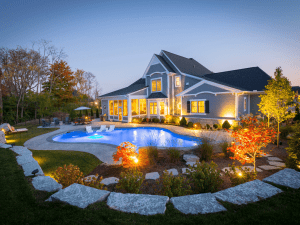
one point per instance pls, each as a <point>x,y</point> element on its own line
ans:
<point>177,81</point>
<point>156,85</point>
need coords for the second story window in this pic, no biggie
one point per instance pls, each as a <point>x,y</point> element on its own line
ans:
<point>177,81</point>
<point>156,85</point>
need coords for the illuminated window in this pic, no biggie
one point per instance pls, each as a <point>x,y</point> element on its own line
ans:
<point>125,111</point>
<point>197,107</point>
<point>153,108</point>
<point>245,103</point>
<point>116,107</point>
<point>111,107</point>
<point>120,103</point>
<point>134,107</point>
<point>156,85</point>
<point>143,107</point>
<point>177,81</point>
<point>161,108</point>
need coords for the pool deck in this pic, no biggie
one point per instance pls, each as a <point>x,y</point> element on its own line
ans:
<point>104,152</point>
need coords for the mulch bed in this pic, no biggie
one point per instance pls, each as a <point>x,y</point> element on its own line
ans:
<point>150,186</point>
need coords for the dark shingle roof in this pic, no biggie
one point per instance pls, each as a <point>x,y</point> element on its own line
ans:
<point>161,59</point>
<point>157,95</point>
<point>185,65</point>
<point>296,88</point>
<point>247,79</point>
<point>137,85</point>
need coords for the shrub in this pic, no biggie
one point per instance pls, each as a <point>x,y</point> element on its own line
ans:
<point>131,181</point>
<point>293,160</point>
<point>207,126</point>
<point>148,120</point>
<point>238,175</point>
<point>127,151</point>
<point>190,124</point>
<point>224,145</point>
<point>155,120</point>
<point>205,177</point>
<point>226,125</point>
<point>169,118</point>
<point>162,120</point>
<point>172,186</point>
<point>72,115</point>
<point>92,113</point>
<point>183,122</point>
<point>176,120</point>
<point>71,174</point>
<point>173,154</point>
<point>284,131</point>
<point>144,119</point>
<point>206,150</point>
<point>197,126</point>
<point>97,113</point>
<point>216,126</point>
<point>152,154</point>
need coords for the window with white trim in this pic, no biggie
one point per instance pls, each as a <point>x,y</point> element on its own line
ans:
<point>156,85</point>
<point>153,108</point>
<point>245,104</point>
<point>198,106</point>
<point>177,81</point>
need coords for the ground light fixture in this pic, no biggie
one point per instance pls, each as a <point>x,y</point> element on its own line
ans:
<point>35,171</point>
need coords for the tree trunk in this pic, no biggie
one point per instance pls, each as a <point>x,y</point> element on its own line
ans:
<point>278,136</point>
<point>268,120</point>
<point>22,109</point>
<point>1,102</point>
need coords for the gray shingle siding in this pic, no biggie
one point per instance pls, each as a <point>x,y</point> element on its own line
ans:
<point>241,105</point>
<point>141,92</point>
<point>206,87</point>
<point>155,68</point>
<point>254,100</point>
<point>104,105</point>
<point>189,80</point>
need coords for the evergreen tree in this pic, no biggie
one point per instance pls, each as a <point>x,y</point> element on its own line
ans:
<point>92,113</point>
<point>97,113</point>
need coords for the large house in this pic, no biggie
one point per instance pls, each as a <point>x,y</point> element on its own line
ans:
<point>179,86</point>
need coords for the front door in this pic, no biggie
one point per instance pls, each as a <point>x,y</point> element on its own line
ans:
<point>120,113</point>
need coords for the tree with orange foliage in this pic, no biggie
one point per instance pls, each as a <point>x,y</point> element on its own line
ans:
<point>250,138</point>
<point>127,151</point>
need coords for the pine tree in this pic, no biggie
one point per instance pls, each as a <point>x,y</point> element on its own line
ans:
<point>92,113</point>
<point>97,113</point>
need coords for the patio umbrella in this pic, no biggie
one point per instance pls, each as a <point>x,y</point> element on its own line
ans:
<point>82,108</point>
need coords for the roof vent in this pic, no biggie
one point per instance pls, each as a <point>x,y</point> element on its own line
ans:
<point>191,59</point>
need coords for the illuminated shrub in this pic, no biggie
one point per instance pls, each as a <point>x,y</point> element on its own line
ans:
<point>205,150</point>
<point>225,150</point>
<point>293,160</point>
<point>226,125</point>
<point>216,126</point>
<point>162,120</point>
<point>183,122</point>
<point>197,126</point>
<point>190,124</point>
<point>130,181</point>
<point>127,152</point>
<point>238,175</point>
<point>169,118</point>
<point>207,126</point>
<point>204,177</point>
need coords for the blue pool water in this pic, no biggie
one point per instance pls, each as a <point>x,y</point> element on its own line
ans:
<point>142,136</point>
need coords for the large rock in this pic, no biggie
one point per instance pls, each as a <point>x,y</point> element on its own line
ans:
<point>45,183</point>
<point>23,159</point>
<point>138,203</point>
<point>2,137</point>
<point>21,150</point>
<point>4,145</point>
<point>173,171</point>
<point>5,127</point>
<point>152,176</point>
<point>79,195</point>
<point>29,167</point>
<point>110,180</point>
<point>200,203</point>
<point>248,192</point>
<point>190,158</point>
<point>287,177</point>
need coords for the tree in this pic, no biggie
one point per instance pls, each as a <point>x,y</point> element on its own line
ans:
<point>97,113</point>
<point>279,96</point>
<point>251,137</point>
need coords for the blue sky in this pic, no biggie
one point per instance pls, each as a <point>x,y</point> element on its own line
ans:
<point>115,40</point>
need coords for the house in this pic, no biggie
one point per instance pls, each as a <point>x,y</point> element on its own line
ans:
<point>179,86</point>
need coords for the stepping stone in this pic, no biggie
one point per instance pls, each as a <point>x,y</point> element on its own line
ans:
<point>190,163</point>
<point>90,178</point>
<point>4,146</point>
<point>274,163</point>
<point>79,195</point>
<point>267,155</point>
<point>184,170</point>
<point>251,168</point>
<point>174,172</point>
<point>248,192</point>
<point>268,167</point>
<point>110,180</point>
<point>274,159</point>
<point>29,167</point>
<point>21,150</point>
<point>138,203</point>
<point>287,177</point>
<point>152,176</point>
<point>190,158</point>
<point>46,183</point>
<point>195,204</point>
<point>23,159</point>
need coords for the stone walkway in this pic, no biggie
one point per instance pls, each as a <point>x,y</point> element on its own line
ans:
<point>82,196</point>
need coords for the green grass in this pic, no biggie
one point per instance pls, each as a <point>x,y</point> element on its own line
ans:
<point>19,206</point>
<point>20,138</point>
<point>50,160</point>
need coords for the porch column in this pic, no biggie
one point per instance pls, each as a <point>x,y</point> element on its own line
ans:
<point>129,109</point>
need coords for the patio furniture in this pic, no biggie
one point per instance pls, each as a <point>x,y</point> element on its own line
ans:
<point>67,120</point>
<point>102,128</point>
<point>111,128</point>
<point>13,130</point>
<point>79,121</point>
<point>89,129</point>
<point>45,124</point>
<point>56,121</point>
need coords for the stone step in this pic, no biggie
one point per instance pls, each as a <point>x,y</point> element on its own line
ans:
<point>79,195</point>
<point>190,163</point>
<point>190,158</point>
<point>23,159</point>
<point>45,183</point>
<point>199,203</point>
<point>274,159</point>
<point>152,176</point>
<point>110,180</point>
<point>267,155</point>
<point>248,192</point>
<point>287,177</point>
<point>31,166</point>
<point>278,164</point>
<point>138,203</point>
<point>173,171</point>
<point>4,146</point>
<point>251,168</point>
<point>21,150</point>
<point>268,167</point>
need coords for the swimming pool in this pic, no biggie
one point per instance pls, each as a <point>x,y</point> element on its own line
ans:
<point>141,136</point>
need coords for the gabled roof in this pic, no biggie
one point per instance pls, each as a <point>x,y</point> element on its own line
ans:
<point>296,88</point>
<point>186,65</point>
<point>247,79</point>
<point>157,95</point>
<point>165,64</point>
<point>137,85</point>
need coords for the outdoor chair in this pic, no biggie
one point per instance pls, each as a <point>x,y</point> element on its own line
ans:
<point>111,128</point>
<point>89,129</point>
<point>56,121</point>
<point>45,124</point>
<point>102,128</point>
<point>67,120</point>
<point>13,130</point>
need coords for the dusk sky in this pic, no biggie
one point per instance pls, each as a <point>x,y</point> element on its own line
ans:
<point>115,40</point>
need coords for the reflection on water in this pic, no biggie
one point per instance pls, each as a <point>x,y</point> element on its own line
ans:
<point>138,136</point>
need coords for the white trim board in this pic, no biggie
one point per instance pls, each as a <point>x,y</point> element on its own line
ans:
<point>150,64</point>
